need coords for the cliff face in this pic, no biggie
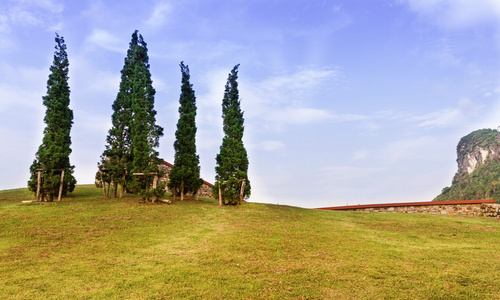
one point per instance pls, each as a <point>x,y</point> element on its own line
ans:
<point>475,148</point>
<point>478,175</point>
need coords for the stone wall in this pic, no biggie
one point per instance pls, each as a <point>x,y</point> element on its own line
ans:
<point>205,190</point>
<point>487,208</point>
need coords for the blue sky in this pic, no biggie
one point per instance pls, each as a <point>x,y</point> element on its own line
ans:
<point>346,102</point>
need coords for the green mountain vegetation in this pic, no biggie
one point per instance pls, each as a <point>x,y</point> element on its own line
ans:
<point>93,247</point>
<point>484,181</point>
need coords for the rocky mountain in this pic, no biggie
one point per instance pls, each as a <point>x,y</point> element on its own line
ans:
<point>478,175</point>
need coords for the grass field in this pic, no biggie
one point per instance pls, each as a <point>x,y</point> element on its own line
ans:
<point>91,247</point>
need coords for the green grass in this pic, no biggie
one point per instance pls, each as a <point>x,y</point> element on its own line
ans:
<point>91,247</point>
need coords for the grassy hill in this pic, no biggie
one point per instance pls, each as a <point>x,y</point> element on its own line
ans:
<point>90,247</point>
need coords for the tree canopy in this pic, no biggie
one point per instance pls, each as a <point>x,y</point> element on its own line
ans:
<point>132,140</point>
<point>185,174</point>
<point>53,154</point>
<point>232,161</point>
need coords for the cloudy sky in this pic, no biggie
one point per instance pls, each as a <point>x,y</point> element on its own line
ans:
<point>345,101</point>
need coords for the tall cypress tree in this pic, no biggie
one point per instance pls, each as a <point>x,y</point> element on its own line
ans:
<point>134,136</point>
<point>53,154</point>
<point>117,155</point>
<point>145,134</point>
<point>185,174</point>
<point>232,160</point>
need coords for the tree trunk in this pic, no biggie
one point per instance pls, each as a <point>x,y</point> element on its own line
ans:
<point>220,195</point>
<point>115,188</point>
<point>182,190</point>
<point>242,190</point>
<point>155,183</point>
<point>61,186</point>
<point>38,185</point>
<point>103,188</point>
<point>122,185</point>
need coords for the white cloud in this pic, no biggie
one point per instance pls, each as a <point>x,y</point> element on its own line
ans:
<point>27,18</point>
<point>21,115</point>
<point>159,15</point>
<point>4,24</point>
<point>18,157</point>
<point>458,14</point>
<point>108,41</point>
<point>444,52</point>
<point>292,115</point>
<point>360,155</point>
<point>56,27</point>
<point>43,13</point>
<point>10,97</point>
<point>268,145</point>
<point>21,82</point>
<point>52,6</point>
<point>87,80</point>
<point>489,118</point>
<point>92,124</point>
<point>349,117</point>
<point>302,81</point>
<point>6,44</point>
<point>449,117</point>
<point>414,148</point>
<point>348,173</point>
<point>209,101</point>
<point>286,99</point>
<point>273,102</point>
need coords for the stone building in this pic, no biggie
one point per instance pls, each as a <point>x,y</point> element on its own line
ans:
<point>205,190</point>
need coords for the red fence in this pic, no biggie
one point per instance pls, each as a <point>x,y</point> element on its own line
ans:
<point>350,207</point>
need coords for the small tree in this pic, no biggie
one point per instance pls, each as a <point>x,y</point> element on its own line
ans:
<point>53,154</point>
<point>232,160</point>
<point>185,174</point>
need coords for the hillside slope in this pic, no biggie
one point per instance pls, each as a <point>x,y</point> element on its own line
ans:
<point>478,175</point>
<point>90,247</point>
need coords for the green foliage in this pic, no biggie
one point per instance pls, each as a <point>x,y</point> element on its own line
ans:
<point>185,174</point>
<point>116,158</point>
<point>156,193</point>
<point>132,140</point>
<point>232,160</point>
<point>482,183</point>
<point>53,153</point>
<point>144,132</point>
<point>483,138</point>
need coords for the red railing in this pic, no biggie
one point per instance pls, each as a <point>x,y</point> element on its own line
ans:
<point>349,207</point>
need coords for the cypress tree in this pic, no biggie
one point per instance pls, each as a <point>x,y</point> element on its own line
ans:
<point>232,161</point>
<point>145,134</point>
<point>117,155</point>
<point>134,136</point>
<point>53,154</point>
<point>185,174</point>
